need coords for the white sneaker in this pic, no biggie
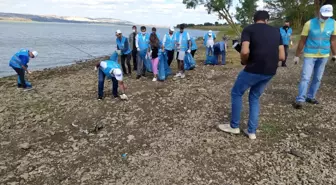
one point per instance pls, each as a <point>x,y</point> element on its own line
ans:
<point>182,75</point>
<point>227,128</point>
<point>154,79</point>
<point>178,75</point>
<point>251,136</point>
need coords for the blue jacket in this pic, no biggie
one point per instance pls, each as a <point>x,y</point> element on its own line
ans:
<point>108,66</point>
<point>122,44</point>
<point>193,44</point>
<point>21,58</point>
<point>286,35</point>
<point>143,43</point>
<point>206,36</point>
<point>319,41</point>
<point>185,40</point>
<point>169,42</point>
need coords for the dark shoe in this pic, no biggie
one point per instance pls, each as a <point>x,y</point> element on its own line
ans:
<point>298,105</point>
<point>284,65</point>
<point>100,98</point>
<point>115,96</point>
<point>312,101</point>
<point>138,77</point>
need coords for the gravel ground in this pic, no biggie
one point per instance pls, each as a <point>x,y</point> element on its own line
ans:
<point>165,134</point>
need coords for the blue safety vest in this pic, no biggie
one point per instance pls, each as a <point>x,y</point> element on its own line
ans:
<point>184,43</point>
<point>193,44</point>
<point>110,66</point>
<point>170,42</point>
<point>143,42</point>
<point>121,45</point>
<point>206,36</point>
<point>286,35</point>
<point>20,58</point>
<point>319,41</point>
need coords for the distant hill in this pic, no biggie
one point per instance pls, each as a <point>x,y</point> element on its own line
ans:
<point>63,19</point>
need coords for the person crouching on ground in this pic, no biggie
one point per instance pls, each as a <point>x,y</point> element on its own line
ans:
<point>220,50</point>
<point>264,43</point>
<point>19,62</point>
<point>124,51</point>
<point>154,52</point>
<point>110,69</point>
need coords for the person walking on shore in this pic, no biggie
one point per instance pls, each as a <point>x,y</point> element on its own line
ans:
<point>193,46</point>
<point>154,53</point>
<point>19,62</point>
<point>261,51</point>
<point>124,51</point>
<point>286,34</point>
<point>168,44</point>
<point>183,45</point>
<point>132,45</point>
<point>142,44</point>
<point>111,70</point>
<point>317,37</point>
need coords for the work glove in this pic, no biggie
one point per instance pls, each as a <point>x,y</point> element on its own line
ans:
<point>95,68</point>
<point>29,72</point>
<point>291,43</point>
<point>138,49</point>
<point>188,51</point>
<point>118,52</point>
<point>296,60</point>
<point>123,97</point>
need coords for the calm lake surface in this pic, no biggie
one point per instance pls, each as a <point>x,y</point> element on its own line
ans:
<point>61,44</point>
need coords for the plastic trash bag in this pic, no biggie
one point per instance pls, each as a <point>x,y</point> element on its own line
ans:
<point>210,59</point>
<point>148,64</point>
<point>28,84</point>
<point>189,62</point>
<point>164,69</point>
<point>114,56</point>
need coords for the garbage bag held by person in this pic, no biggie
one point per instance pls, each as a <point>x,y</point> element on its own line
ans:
<point>189,62</point>
<point>164,69</point>
<point>211,59</point>
<point>114,56</point>
<point>148,64</point>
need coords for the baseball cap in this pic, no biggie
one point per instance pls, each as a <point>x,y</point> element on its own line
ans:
<point>172,28</point>
<point>118,31</point>
<point>35,53</point>
<point>327,10</point>
<point>118,74</point>
<point>210,32</point>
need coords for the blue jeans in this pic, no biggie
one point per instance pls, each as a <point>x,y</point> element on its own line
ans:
<point>315,67</point>
<point>101,80</point>
<point>257,83</point>
<point>223,53</point>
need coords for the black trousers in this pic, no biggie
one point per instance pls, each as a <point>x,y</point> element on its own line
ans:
<point>21,73</point>
<point>193,52</point>
<point>286,53</point>
<point>170,55</point>
<point>126,58</point>
<point>134,56</point>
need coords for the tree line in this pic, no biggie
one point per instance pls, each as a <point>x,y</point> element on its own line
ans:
<point>297,11</point>
<point>205,24</point>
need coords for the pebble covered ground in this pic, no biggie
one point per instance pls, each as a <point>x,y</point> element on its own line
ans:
<point>166,133</point>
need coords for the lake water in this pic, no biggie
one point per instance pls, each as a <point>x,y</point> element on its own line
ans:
<point>61,44</point>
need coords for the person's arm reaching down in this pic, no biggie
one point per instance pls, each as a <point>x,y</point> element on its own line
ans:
<point>282,55</point>
<point>245,52</point>
<point>137,42</point>
<point>301,45</point>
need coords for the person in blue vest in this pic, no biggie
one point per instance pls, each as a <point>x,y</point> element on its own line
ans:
<point>318,38</point>
<point>142,44</point>
<point>19,62</point>
<point>193,46</point>
<point>286,35</point>
<point>183,45</point>
<point>124,51</point>
<point>168,44</point>
<point>209,41</point>
<point>220,50</point>
<point>158,35</point>
<point>111,70</point>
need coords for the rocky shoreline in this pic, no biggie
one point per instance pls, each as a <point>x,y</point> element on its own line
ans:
<point>166,133</point>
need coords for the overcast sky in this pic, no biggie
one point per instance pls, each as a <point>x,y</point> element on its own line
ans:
<point>156,12</point>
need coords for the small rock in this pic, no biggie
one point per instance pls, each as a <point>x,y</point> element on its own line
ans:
<point>24,146</point>
<point>25,176</point>
<point>130,138</point>
<point>209,150</point>
<point>303,135</point>
<point>2,109</point>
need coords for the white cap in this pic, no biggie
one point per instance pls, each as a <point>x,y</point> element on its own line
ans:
<point>210,32</point>
<point>118,32</point>
<point>118,74</point>
<point>172,28</point>
<point>327,10</point>
<point>35,53</point>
